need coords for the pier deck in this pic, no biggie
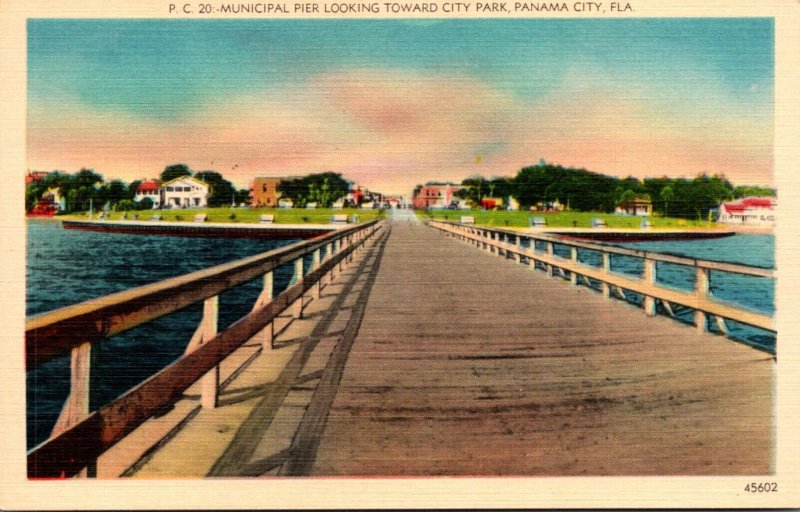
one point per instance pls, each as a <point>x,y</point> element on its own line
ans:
<point>430,357</point>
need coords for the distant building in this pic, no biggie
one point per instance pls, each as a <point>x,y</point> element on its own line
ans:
<point>639,206</point>
<point>753,211</point>
<point>265,192</point>
<point>491,203</point>
<point>149,189</point>
<point>435,195</point>
<point>34,177</point>
<point>185,192</point>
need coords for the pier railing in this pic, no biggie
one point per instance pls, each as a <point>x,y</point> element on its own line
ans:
<point>80,435</point>
<point>706,307</point>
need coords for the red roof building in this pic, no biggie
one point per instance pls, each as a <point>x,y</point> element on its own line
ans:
<point>757,211</point>
<point>149,189</point>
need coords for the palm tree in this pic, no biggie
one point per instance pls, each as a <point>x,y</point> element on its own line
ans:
<point>667,195</point>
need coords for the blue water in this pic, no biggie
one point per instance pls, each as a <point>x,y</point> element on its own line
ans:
<point>68,266</point>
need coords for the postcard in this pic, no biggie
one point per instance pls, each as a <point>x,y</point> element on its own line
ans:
<point>331,254</point>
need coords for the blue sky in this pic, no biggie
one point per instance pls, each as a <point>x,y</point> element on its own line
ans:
<point>671,77</point>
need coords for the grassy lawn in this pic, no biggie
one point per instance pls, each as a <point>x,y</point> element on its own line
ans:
<point>244,215</point>
<point>562,219</point>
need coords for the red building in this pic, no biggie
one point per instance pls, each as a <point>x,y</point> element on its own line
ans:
<point>435,195</point>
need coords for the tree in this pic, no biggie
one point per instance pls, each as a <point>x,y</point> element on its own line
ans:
<point>133,188</point>
<point>667,194</point>
<point>295,190</point>
<point>223,192</point>
<point>173,171</point>
<point>112,192</point>
<point>125,205</point>
<point>144,204</point>
<point>753,190</point>
<point>326,188</point>
<point>627,196</point>
<point>243,196</point>
<point>322,188</point>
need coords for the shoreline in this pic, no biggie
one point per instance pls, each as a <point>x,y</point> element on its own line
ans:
<point>204,229</point>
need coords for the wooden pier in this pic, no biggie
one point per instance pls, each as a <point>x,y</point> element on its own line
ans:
<point>425,356</point>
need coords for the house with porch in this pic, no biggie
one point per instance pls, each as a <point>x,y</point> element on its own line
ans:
<point>641,206</point>
<point>185,192</point>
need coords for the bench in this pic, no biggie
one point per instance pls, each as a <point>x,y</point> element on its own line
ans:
<point>155,218</point>
<point>467,219</point>
<point>339,219</point>
<point>266,219</point>
<point>645,224</point>
<point>599,223</point>
<point>353,219</point>
<point>537,222</point>
<point>201,217</point>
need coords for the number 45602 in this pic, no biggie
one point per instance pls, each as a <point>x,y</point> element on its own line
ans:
<point>762,487</point>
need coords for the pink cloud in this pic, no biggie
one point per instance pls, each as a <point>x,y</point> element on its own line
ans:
<point>392,129</point>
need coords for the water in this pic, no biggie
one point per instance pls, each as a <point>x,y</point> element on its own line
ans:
<point>68,266</point>
<point>748,292</point>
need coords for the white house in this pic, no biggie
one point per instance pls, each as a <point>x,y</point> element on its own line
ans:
<point>149,189</point>
<point>185,192</point>
<point>753,211</point>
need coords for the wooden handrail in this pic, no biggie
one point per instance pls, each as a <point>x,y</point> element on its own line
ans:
<point>55,333</point>
<point>76,447</point>
<point>699,300</point>
<point>735,268</point>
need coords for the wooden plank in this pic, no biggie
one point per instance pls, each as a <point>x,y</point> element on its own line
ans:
<point>522,375</point>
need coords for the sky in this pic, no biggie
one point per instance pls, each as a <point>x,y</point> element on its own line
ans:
<point>393,103</point>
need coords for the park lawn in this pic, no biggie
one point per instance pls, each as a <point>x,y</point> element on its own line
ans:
<point>503,218</point>
<point>243,215</point>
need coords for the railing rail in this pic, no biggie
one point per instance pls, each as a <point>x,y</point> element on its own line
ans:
<point>497,241</point>
<point>81,436</point>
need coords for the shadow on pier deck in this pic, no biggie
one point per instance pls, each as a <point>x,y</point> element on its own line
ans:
<point>426,357</point>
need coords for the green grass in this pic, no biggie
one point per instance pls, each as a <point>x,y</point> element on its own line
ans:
<point>244,215</point>
<point>562,219</point>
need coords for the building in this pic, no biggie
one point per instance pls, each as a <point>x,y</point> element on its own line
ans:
<point>149,189</point>
<point>264,192</point>
<point>185,192</point>
<point>751,211</point>
<point>435,195</point>
<point>35,177</point>
<point>492,203</point>
<point>639,206</point>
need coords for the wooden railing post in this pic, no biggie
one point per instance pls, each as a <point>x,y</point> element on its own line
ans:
<point>268,334</point>
<point>701,288</point>
<point>573,276</point>
<point>518,253</point>
<point>297,310</point>
<point>76,408</point>
<point>334,252</point>
<point>650,281</point>
<point>550,268</point>
<point>315,291</point>
<point>606,270</point>
<point>209,383</point>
